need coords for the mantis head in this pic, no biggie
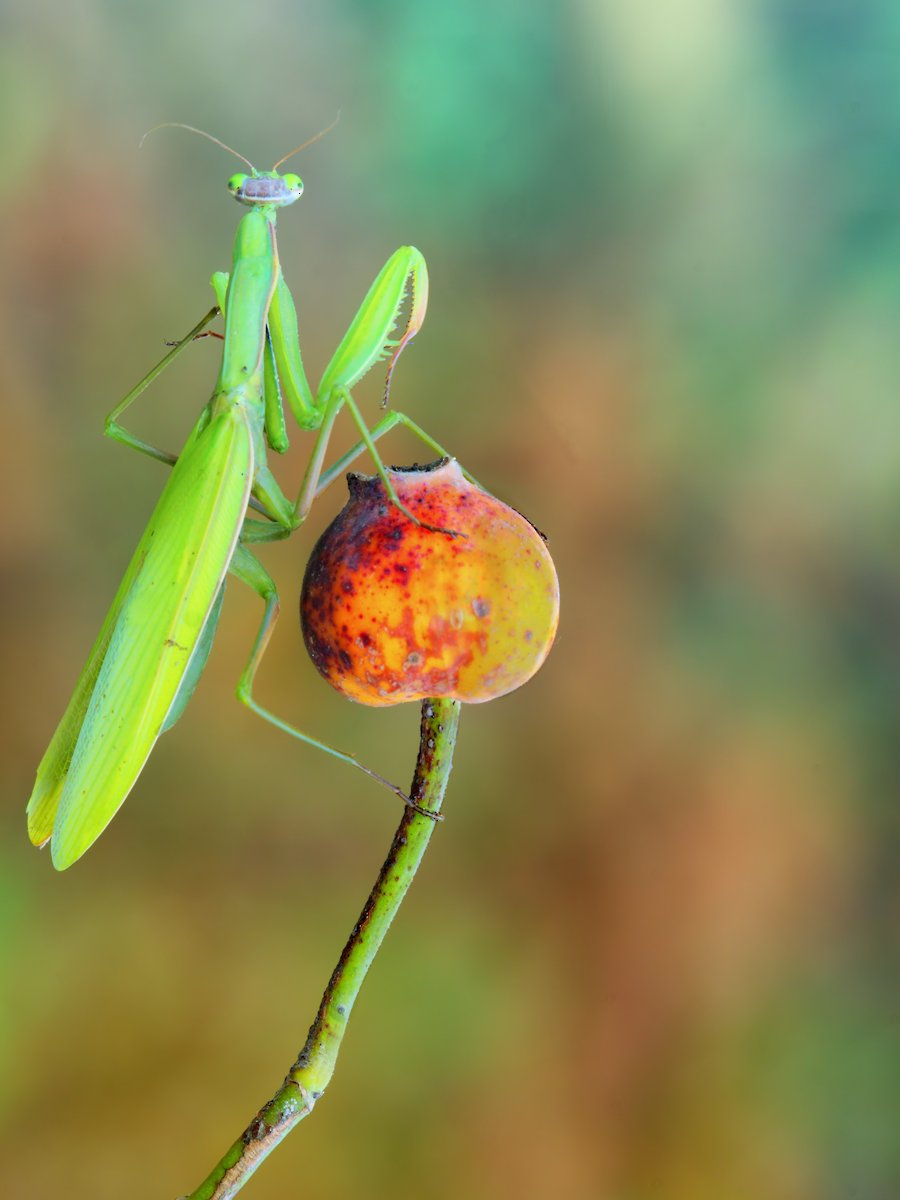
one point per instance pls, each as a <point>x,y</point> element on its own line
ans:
<point>259,187</point>
<point>266,187</point>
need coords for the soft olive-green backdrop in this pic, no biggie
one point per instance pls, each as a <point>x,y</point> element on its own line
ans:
<point>648,954</point>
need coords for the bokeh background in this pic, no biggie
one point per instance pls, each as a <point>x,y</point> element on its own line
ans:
<point>649,956</point>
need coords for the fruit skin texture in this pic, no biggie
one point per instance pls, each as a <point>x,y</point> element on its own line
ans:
<point>392,611</point>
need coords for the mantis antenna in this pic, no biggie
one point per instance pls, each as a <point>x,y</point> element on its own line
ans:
<point>308,142</point>
<point>209,137</point>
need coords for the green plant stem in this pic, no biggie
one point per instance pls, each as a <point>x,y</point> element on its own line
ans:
<point>312,1072</point>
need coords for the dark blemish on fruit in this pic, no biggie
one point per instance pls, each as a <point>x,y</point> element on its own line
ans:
<point>480,607</point>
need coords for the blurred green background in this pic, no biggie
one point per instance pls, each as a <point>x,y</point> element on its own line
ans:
<point>650,955</point>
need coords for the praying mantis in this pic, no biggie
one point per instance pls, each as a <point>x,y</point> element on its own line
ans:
<point>157,635</point>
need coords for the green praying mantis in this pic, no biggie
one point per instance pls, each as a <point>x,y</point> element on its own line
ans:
<point>156,638</point>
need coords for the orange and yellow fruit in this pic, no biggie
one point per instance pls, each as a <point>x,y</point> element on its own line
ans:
<point>393,611</point>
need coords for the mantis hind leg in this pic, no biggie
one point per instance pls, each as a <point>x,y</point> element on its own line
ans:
<point>251,571</point>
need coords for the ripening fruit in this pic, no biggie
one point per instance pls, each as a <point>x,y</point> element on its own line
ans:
<point>392,611</point>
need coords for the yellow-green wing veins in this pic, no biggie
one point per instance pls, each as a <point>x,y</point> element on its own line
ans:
<point>54,766</point>
<point>140,659</point>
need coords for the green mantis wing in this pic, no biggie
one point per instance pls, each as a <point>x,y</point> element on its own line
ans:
<point>142,656</point>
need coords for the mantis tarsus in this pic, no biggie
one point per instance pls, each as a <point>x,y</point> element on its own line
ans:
<point>154,642</point>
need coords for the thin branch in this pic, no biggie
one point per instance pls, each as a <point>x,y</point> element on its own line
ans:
<point>311,1073</point>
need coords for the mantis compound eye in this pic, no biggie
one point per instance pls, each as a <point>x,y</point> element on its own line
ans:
<point>394,611</point>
